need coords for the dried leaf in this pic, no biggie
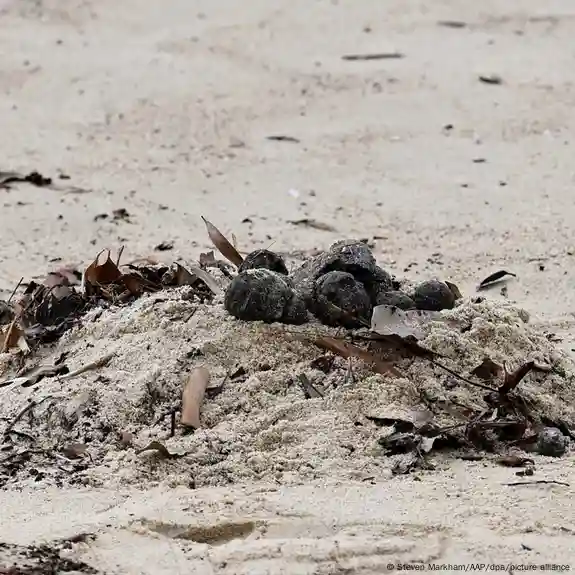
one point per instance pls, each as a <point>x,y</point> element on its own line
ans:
<point>164,246</point>
<point>184,277</point>
<point>512,379</point>
<point>491,79</point>
<point>75,450</point>
<point>208,260</point>
<point>12,337</point>
<point>100,274</point>
<point>311,223</point>
<point>222,244</point>
<point>283,139</point>
<point>346,350</point>
<point>309,390</point>
<point>514,461</point>
<point>487,370</point>
<point>494,278</point>
<point>208,279</point>
<point>136,284</point>
<point>37,374</point>
<point>161,449</point>
<point>390,320</point>
<point>193,395</point>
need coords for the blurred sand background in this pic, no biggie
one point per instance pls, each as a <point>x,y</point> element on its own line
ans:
<point>165,109</point>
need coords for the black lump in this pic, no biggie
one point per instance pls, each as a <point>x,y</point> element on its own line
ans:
<point>433,295</point>
<point>264,295</point>
<point>339,299</point>
<point>264,259</point>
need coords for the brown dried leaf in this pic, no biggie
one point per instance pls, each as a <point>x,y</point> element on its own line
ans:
<point>208,279</point>
<point>512,379</point>
<point>208,260</point>
<point>136,284</point>
<point>514,461</point>
<point>193,395</point>
<point>12,337</point>
<point>184,277</point>
<point>161,449</point>
<point>99,274</point>
<point>487,370</point>
<point>222,244</point>
<point>75,450</point>
<point>346,350</point>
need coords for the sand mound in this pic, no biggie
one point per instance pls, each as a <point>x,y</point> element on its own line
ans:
<point>88,429</point>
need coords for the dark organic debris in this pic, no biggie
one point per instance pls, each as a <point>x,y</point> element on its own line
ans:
<point>488,370</point>
<point>492,79</point>
<point>514,461</point>
<point>311,223</point>
<point>511,380</point>
<point>537,482</point>
<point>164,246</point>
<point>347,350</point>
<point>309,390</point>
<point>46,559</point>
<point>283,139</point>
<point>160,449</point>
<point>494,279</point>
<point>452,24</point>
<point>374,56</point>
<point>34,178</point>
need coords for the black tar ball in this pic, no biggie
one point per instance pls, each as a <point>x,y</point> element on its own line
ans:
<point>264,259</point>
<point>264,295</point>
<point>433,295</point>
<point>339,299</point>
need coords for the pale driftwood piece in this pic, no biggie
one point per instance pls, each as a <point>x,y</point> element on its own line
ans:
<point>193,395</point>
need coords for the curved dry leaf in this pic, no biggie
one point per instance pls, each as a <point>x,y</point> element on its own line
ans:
<point>193,395</point>
<point>222,244</point>
<point>161,449</point>
<point>96,273</point>
<point>208,279</point>
<point>346,350</point>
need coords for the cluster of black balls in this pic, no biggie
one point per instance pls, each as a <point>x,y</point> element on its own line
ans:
<point>339,287</point>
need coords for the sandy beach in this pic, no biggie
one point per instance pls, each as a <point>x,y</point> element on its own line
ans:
<point>450,154</point>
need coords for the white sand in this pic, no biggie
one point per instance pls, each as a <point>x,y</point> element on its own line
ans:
<point>149,106</point>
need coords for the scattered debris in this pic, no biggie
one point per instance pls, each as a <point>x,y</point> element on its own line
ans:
<point>193,395</point>
<point>375,56</point>
<point>161,449</point>
<point>538,482</point>
<point>452,24</point>
<point>309,390</point>
<point>102,362</point>
<point>311,223</point>
<point>514,461</point>
<point>494,278</point>
<point>492,79</point>
<point>283,139</point>
<point>34,178</point>
<point>164,246</point>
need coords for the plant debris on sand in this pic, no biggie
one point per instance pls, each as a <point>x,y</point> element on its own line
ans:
<point>270,401</point>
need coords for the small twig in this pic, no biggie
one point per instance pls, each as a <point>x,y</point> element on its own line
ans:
<point>6,342</point>
<point>23,412</point>
<point>458,376</point>
<point>88,367</point>
<point>538,481</point>
<point>190,315</point>
<point>119,256</point>
<point>173,422</point>
<point>15,289</point>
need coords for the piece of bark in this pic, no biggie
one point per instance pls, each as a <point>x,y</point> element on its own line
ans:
<point>193,395</point>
